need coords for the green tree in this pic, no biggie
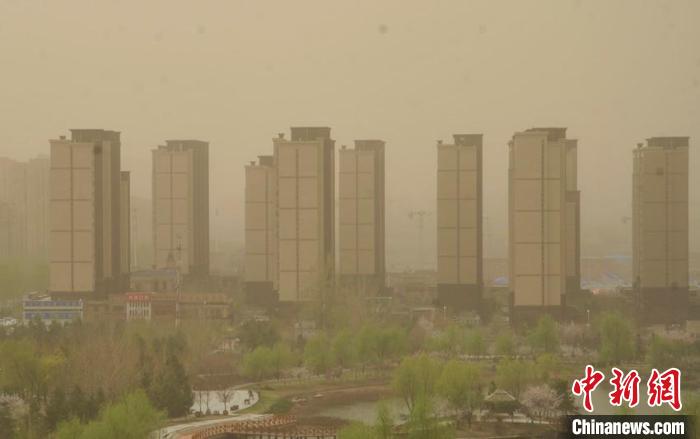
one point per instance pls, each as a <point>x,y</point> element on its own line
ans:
<point>367,346</point>
<point>416,377</point>
<point>7,423</point>
<point>254,333</point>
<point>513,375</point>
<point>57,409</point>
<point>505,345</point>
<point>663,353</point>
<point>616,339</point>
<point>474,343</point>
<point>460,386</point>
<point>384,426</point>
<point>451,341</point>
<point>281,357</point>
<point>171,390</point>
<point>423,422</point>
<point>317,354</point>
<point>356,430</point>
<point>344,350</point>
<point>257,364</point>
<point>544,337</point>
<point>546,367</point>
<point>131,418</point>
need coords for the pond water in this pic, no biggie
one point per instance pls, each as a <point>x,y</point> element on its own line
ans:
<point>365,411</point>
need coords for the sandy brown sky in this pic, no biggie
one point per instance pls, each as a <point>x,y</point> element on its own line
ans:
<point>237,72</point>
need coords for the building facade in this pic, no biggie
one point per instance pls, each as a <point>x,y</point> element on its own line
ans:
<point>660,229</point>
<point>538,226</point>
<point>261,231</point>
<point>181,206</point>
<point>85,202</point>
<point>460,223</point>
<point>125,224</point>
<point>361,212</point>
<point>305,168</point>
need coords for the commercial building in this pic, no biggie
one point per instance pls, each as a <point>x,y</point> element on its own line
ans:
<point>540,215</point>
<point>181,206</point>
<point>85,203</point>
<point>47,310</point>
<point>159,307</point>
<point>361,212</point>
<point>460,222</point>
<point>261,231</point>
<point>660,229</point>
<point>305,168</point>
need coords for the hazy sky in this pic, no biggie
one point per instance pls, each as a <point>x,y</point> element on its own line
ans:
<point>235,73</point>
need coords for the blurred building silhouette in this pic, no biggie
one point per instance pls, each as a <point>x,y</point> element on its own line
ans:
<point>305,181</point>
<point>261,231</point>
<point>24,209</point>
<point>460,222</point>
<point>181,207</point>
<point>85,234</point>
<point>361,212</point>
<point>660,229</point>
<point>543,217</point>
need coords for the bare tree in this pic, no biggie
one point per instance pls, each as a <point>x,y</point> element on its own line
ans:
<point>225,396</point>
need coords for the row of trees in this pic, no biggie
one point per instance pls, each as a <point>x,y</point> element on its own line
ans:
<point>71,372</point>
<point>372,346</point>
<point>132,417</point>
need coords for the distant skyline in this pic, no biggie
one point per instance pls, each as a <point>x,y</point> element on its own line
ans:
<point>237,73</point>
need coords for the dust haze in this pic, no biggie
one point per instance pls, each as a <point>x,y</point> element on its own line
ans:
<point>236,73</point>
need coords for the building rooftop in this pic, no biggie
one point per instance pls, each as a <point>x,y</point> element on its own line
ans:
<point>310,133</point>
<point>468,139</point>
<point>668,142</point>
<point>553,133</point>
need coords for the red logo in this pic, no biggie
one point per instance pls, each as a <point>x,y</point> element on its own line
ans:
<point>665,388</point>
<point>587,385</point>
<point>625,387</point>
<point>662,388</point>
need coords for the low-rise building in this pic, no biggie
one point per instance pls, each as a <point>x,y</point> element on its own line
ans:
<point>48,310</point>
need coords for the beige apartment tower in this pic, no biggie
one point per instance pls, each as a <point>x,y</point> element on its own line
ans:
<point>261,232</point>
<point>85,202</point>
<point>305,168</point>
<point>181,206</point>
<point>459,222</point>
<point>13,209</point>
<point>125,224</point>
<point>361,212</point>
<point>660,229</point>
<point>543,222</point>
<point>24,209</point>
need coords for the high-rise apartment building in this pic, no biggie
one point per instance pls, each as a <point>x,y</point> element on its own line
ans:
<point>85,203</point>
<point>542,210</point>
<point>361,235</point>
<point>13,208</point>
<point>660,229</point>
<point>305,168</point>
<point>573,219</point>
<point>459,222</point>
<point>181,206</point>
<point>261,231</point>
<point>24,197</point>
<point>38,221</point>
<point>125,224</point>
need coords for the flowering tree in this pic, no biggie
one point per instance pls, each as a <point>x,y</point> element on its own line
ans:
<point>540,401</point>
